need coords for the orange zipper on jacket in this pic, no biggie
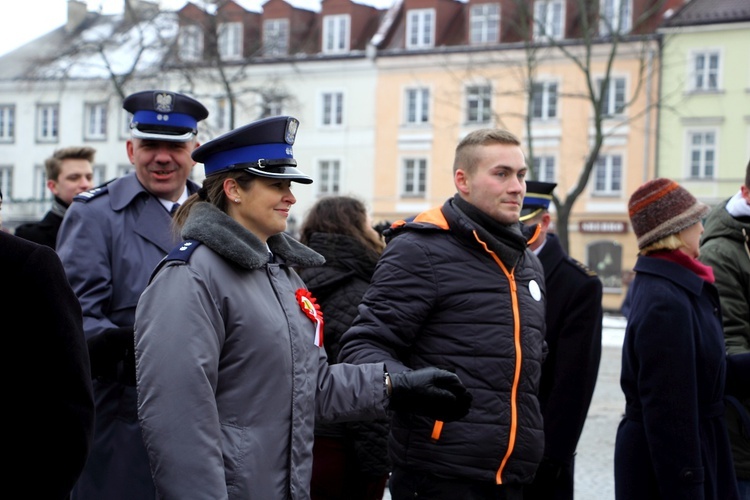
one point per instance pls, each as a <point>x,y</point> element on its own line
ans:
<point>519,358</point>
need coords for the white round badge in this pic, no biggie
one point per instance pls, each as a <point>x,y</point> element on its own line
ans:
<point>536,292</point>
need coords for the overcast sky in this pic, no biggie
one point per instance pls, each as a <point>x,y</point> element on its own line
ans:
<point>22,21</point>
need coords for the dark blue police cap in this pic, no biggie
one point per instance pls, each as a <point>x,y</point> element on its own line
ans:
<point>538,197</point>
<point>263,148</point>
<point>164,116</point>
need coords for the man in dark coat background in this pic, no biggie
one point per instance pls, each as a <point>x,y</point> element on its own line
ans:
<point>53,402</point>
<point>574,340</point>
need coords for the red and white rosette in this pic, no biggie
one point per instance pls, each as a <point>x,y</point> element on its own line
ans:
<point>311,308</point>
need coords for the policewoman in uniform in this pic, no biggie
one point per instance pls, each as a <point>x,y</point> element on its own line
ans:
<point>574,340</point>
<point>110,240</point>
<point>231,368</point>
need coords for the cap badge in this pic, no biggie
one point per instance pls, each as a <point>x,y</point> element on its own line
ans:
<point>291,130</point>
<point>164,102</point>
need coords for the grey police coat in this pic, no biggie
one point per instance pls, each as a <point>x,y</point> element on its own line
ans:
<point>110,240</point>
<point>230,380</point>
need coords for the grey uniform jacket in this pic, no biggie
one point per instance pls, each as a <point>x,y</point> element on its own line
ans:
<point>230,380</point>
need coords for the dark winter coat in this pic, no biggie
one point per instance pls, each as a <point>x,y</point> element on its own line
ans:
<point>44,231</point>
<point>339,286</point>
<point>447,293</point>
<point>672,442</point>
<point>51,425</point>
<point>725,246</point>
<point>569,372</point>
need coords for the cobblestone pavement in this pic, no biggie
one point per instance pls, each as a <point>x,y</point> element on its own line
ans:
<point>594,478</point>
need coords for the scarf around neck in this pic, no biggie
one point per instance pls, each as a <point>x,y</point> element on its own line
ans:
<point>678,257</point>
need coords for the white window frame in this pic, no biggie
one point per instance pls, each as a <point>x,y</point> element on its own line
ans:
<point>413,177</point>
<point>332,108</point>
<point>701,79</point>
<point>6,181</point>
<point>336,33</point>
<point>221,114</point>
<point>545,167</point>
<point>545,107</point>
<point>328,179</point>
<point>615,96</point>
<point>549,19</point>
<point>607,177</point>
<point>484,23</point>
<point>100,175</point>
<point>191,43</point>
<point>615,16</point>
<point>95,121</point>
<point>40,184</point>
<point>47,122</point>
<point>276,37</point>
<point>420,28</point>
<point>702,150</point>
<point>230,41</point>
<point>7,123</point>
<point>271,105</point>
<point>416,105</point>
<point>478,103</point>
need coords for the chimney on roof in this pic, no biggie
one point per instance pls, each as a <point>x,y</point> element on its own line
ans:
<point>76,15</point>
<point>138,10</point>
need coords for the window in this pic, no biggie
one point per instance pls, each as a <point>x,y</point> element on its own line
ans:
<point>613,96</point>
<point>605,257</point>
<point>48,121</point>
<point>125,119</point>
<point>706,70</point>
<point>414,177</point>
<point>484,23</point>
<point>333,108</point>
<point>329,177</point>
<point>615,16</point>
<point>191,43</point>
<point>336,33</point>
<point>276,37</point>
<point>478,100</point>
<point>417,106</point>
<point>222,115</point>
<point>40,183</point>
<point>125,169</point>
<point>420,28</point>
<point>230,41</point>
<point>608,175</point>
<point>702,154</point>
<point>544,168</point>
<point>544,100</point>
<point>6,182</point>
<point>7,123</point>
<point>272,106</point>
<point>95,125</point>
<point>549,19</point>
<point>100,175</point>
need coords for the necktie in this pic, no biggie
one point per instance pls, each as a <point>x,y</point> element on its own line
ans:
<point>271,258</point>
<point>174,209</point>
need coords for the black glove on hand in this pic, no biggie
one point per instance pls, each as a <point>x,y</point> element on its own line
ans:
<point>430,392</point>
<point>108,349</point>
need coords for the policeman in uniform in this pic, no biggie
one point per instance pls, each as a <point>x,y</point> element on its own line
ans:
<point>110,240</point>
<point>574,339</point>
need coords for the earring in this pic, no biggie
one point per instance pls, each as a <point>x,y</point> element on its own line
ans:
<point>236,200</point>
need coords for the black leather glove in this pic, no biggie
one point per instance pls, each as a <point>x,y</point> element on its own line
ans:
<point>430,392</point>
<point>112,355</point>
<point>545,480</point>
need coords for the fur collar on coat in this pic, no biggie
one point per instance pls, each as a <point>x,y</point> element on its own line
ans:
<point>231,240</point>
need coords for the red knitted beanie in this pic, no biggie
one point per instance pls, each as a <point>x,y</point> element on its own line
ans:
<point>661,207</point>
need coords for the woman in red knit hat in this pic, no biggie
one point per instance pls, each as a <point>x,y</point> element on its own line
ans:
<point>672,442</point>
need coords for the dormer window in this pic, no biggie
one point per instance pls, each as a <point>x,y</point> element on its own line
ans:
<point>420,28</point>
<point>336,33</point>
<point>276,37</point>
<point>484,23</point>
<point>230,41</point>
<point>549,19</point>
<point>191,43</point>
<point>615,16</point>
